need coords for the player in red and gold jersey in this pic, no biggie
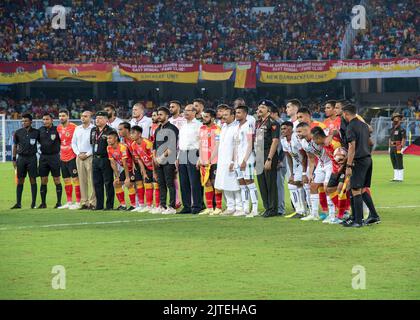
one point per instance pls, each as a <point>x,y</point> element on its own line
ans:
<point>68,160</point>
<point>123,167</point>
<point>154,126</point>
<point>207,163</point>
<point>332,121</point>
<point>143,156</point>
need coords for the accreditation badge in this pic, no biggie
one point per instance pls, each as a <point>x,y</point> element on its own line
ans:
<point>95,148</point>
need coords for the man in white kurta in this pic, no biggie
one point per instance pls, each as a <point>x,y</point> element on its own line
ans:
<point>226,179</point>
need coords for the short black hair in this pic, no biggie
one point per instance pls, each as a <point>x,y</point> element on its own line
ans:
<point>332,102</point>
<point>27,116</point>
<point>110,105</point>
<point>114,133</point>
<point>243,108</point>
<point>199,100</point>
<point>47,114</point>
<point>126,125</point>
<point>211,112</point>
<point>318,132</point>
<point>302,125</point>
<point>287,123</point>
<point>177,102</point>
<point>164,109</point>
<point>242,100</point>
<point>222,106</point>
<point>63,111</point>
<point>137,128</point>
<point>350,108</point>
<point>342,101</point>
<point>304,110</point>
<point>295,102</point>
<point>231,110</point>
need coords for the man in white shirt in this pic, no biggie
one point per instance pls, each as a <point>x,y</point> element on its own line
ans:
<point>113,120</point>
<point>189,175</point>
<point>83,149</point>
<point>139,119</point>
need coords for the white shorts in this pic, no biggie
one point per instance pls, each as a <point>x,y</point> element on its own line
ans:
<point>323,173</point>
<point>247,174</point>
<point>297,171</point>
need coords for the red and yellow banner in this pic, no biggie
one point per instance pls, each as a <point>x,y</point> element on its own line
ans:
<point>246,75</point>
<point>94,72</point>
<point>183,72</point>
<point>215,72</point>
<point>20,72</point>
<point>296,72</point>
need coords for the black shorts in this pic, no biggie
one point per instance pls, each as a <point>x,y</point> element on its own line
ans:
<point>213,169</point>
<point>27,165</point>
<point>335,179</point>
<point>69,169</point>
<point>49,163</point>
<point>361,173</point>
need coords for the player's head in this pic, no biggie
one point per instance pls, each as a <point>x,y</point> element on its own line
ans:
<point>112,138</point>
<point>241,112</point>
<point>63,115</point>
<point>208,116</point>
<point>220,110</point>
<point>155,116</point>
<point>199,105</point>
<point>189,112</point>
<point>292,107</point>
<point>349,112</point>
<point>330,108</point>
<point>304,115</point>
<point>138,110</point>
<point>26,120</point>
<point>286,129</point>
<point>124,129</point>
<point>303,130</point>
<point>136,132</point>
<point>229,115</point>
<point>175,107</point>
<point>274,112</point>
<point>47,120</point>
<point>239,102</point>
<point>86,117</point>
<point>340,155</point>
<point>318,135</point>
<point>339,107</point>
<point>101,119</point>
<point>110,109</point>
<point>396,118</point>
<point>163,114</point>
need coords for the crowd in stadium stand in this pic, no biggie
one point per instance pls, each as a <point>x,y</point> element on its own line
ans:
<point>154,31</point>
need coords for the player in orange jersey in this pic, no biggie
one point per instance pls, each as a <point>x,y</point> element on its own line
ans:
<point>68,160</point>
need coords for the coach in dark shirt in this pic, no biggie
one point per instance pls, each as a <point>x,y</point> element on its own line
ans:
<point>49,161</point>
<point>165,149</point>
<point>24,158</point>
<point>359,167</point>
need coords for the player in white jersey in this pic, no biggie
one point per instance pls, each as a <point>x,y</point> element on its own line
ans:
<point>243,162</point>
<point>295,156</point>
<point>176,117</point>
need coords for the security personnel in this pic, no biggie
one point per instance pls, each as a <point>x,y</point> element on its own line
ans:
<point>266,141</point>
<point>101,167</point>
<point>25,147</point>
<point>49,161</point>
<point>397,138</point>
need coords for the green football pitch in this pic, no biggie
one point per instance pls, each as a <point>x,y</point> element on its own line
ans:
<point>118,255</point>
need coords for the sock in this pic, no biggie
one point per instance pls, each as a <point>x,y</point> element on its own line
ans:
<point>34,191</point>
<point>157,194</point>
<point>395,175</point>
<point>149,194</point>
<point>343,204</point>
<point>59,192</point>
<point>132,196</point>
<point>302,197</point>
<point>119,192</point>
<point>140,192</point>
<point>367,199</point>
<point>314,204</point>
<point>238,200</point>
<point>43,193</point>
<point>323,199</point>
<point>254,196</point>
<point>209,194</point>
<point>352,206</point>
<point>244,198</point>
<point>77,191</point>
<point>295,197</point>
<point>358,208</point>
<point>19,190</point>
<point>331,207</point>
<point>307,191</point>
<point>69,191</point>
<point>219,197</point>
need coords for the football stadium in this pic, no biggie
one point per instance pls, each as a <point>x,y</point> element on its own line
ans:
<point>209,150</point>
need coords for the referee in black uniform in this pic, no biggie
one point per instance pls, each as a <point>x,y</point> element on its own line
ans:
<point>25,148</point>
<point>49,161</point>
<point>359,167</point>
<point>101,167</point>
<point>266,142</point>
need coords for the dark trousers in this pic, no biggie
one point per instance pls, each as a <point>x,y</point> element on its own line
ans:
<point>190,181</point>
<point>166,176</point>
<point>267,182</point>
<point>396,159</point>
<point>103,176</point>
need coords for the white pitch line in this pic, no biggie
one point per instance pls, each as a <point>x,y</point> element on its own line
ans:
<point>399,207</point>
<point>91,223</point>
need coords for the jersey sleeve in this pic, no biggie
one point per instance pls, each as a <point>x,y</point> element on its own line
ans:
<point>15,138</point>
<point>350,134</point>
<point>109,151</point>
<point>275,128</point>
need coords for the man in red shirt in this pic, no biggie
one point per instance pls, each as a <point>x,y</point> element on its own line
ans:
<point>333,121</point>
<point>68,160</point>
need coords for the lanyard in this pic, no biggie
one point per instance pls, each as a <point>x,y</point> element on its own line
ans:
<point>263,122</point>
<point>97,137</point>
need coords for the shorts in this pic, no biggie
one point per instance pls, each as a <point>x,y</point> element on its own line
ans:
<point>336,179</point>
<point>247,174</point>
<point>69,169</point>
<point>213,169</point>
<point>297,171</point>
<point>27,165</point>
<point>322,173</point>
<point>362,173</point>
<point>49,163</point>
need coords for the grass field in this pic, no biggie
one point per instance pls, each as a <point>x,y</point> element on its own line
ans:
<point>114,255</point>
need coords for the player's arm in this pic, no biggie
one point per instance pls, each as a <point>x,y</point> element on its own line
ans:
<point>215,152</point>
<point>350,157</point>
<point>248,151</point>
<point>115,169</point>
<point>127,172</point>
<point>290,165</point>
<point>311,159</point>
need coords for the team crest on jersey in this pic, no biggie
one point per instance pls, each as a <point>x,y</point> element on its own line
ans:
<point>32,141</point>
<point>74,171</point>
<point>67,134</point>
<point>132,178</point>
<point>53,136</point>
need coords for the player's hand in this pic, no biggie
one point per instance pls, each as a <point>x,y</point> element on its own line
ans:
<point>143,173</point>
<point>231,167</point>
<point>14,164</point>
<point>243,166</point>
<point>127,182</point>
<point>305,179</point>
<point>291,179</point>
<point>177,165</point>
<point>310,179</point>
<point>267,165</point>
<point>116,180</point>
<point>155,177</point>
<point>349,172</point>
